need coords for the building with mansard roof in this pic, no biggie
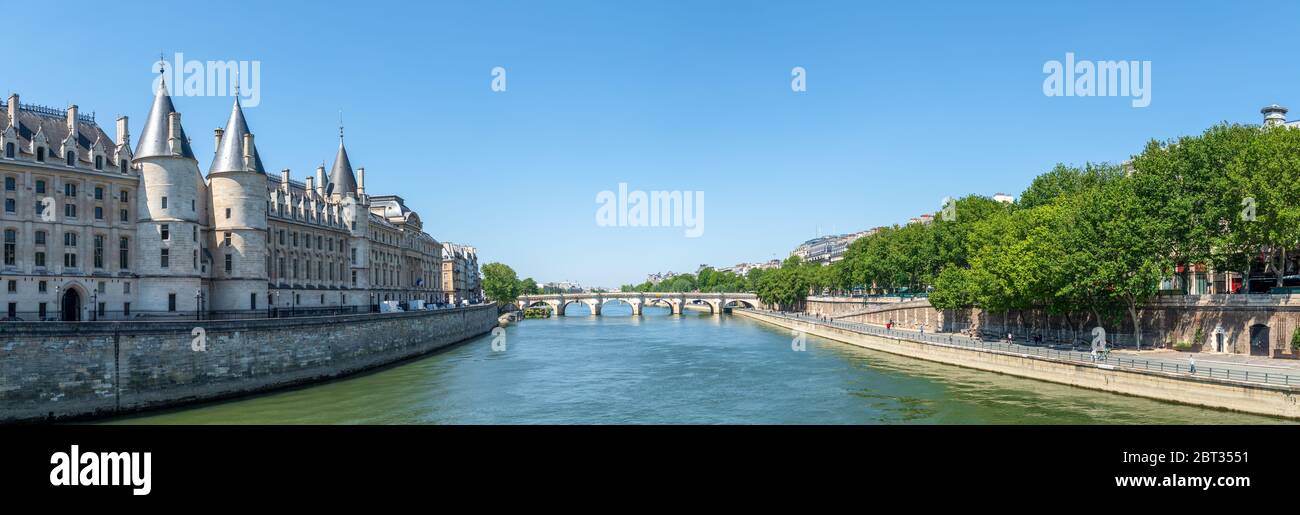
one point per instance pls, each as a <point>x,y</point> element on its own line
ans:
<point>96,230</point>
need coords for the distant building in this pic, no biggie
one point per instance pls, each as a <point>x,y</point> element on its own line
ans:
<point>460,278</point>
<point>827,249</point>
<point>1003,198</point>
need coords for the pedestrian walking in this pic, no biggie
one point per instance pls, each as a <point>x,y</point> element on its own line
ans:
<point>1191,363</point>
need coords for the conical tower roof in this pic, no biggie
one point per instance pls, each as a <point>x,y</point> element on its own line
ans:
<point>230,153</point>
<point>341,179</point>
<point>153,138</point>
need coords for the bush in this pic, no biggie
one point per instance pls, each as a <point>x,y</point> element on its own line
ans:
<point>1295,340</point>
<point>1183,345</point>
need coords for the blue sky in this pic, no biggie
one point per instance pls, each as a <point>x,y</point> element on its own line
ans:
<point>905,104</point>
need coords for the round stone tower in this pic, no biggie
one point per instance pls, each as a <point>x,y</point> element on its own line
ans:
<point>170,222</point>
<point>237,185</point>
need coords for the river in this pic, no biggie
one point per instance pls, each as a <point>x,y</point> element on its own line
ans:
<point>689,369</point>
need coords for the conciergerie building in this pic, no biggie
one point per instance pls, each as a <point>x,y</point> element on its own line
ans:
<point>96,230</point>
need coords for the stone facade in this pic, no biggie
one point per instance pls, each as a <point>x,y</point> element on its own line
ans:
<point>460,279</point>
<point>61,370</point>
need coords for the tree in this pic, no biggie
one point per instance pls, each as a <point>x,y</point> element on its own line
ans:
<point>500,283</point>
<point>529,287</point>
<point>1123,248</point>
<point>785,286</point>
<point>1265,171</point>
<point>1064,181</point>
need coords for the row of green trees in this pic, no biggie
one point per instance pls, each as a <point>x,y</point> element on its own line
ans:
<point>1092,242</point>
<point>707,280</point>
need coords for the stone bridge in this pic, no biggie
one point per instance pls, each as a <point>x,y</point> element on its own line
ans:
<point>717,302</point>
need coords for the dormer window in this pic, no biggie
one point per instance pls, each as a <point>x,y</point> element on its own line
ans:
<point>10,150</point>
<point>71,158</point>
<point>99,162</point>
<point>40,154</point>
<point>122,163</point>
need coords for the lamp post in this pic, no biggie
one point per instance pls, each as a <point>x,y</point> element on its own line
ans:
<point>198,304</point>
<point>58,301</point>
<point>275,296</point>
<point>372,302</point>
<point>94,305</point>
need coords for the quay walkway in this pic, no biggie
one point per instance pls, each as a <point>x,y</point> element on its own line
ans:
<point>1211,367</point>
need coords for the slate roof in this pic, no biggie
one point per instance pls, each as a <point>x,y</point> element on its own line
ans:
<point>33,119</point>
<point>153,138</point>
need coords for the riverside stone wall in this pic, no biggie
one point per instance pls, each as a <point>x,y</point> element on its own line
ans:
<point>1260,325</point>
<point>54,370</point>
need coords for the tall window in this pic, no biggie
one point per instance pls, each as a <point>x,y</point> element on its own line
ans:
<point>70,189</point>
<point>10,184</point>
<point>164,202</point>
<point>69,239</point>
<point>99,251</point>
<point>230,263</point>
<point>40,186</point>
<point>124,253</point>
<point>71,158</point>
<point>99,162</point>
<point>166,232</point>
<point>40,154</point>
<point>171,302</point>
<point>11,247</point>
<point>122,196</point>
<point>10,150</point>
<point>99,193</point>
<point>164,258</point>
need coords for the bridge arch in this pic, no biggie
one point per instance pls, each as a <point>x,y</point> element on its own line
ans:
<point>633,303</point>
<point>733,303</point>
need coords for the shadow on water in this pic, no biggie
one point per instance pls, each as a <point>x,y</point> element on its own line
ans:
<point>694,368</point>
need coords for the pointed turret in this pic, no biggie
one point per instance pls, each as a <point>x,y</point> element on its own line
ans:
<point>342,182</point>
<point>232,149</point>
<point>155,137</point>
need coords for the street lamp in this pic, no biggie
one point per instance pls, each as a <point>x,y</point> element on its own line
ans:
<point>94,305</point>
<point>198,304</point>
<point>58,301</point>
<point>275,296</point>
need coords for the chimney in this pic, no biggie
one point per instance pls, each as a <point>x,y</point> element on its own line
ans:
<point>320,180</point>
<point>72,120</point>
<point>248,151</point>
<point>310,189</point>
<point>361,181</point>
<point>123,132</point>
<point>174,132</point>
<point>13,110</point>
<point>284,180</point>
<point>1274,115</point>
<point>216,136</point>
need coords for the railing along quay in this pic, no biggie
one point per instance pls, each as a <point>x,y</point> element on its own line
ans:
<point>1119,362</point>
